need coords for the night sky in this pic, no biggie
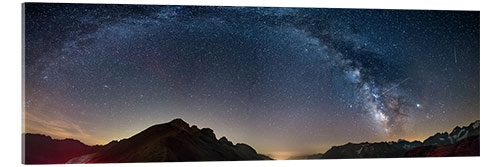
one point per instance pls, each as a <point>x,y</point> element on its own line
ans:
<point>286,81</point>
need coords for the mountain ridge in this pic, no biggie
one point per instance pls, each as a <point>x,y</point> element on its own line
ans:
<point>178,141</point>
<point>173,141</point>
<point>43,149</point>
<point>401,147</point>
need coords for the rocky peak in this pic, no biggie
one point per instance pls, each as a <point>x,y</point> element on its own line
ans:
<point>173,141</point>
<point>179,123</point>
<point>208,132</point>
<point>224,140</point>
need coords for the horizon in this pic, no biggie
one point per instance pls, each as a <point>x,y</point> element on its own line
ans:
<point>304,79</point>
<point>286,155</point>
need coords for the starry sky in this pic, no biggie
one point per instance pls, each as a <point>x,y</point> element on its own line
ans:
<point>287,81</point>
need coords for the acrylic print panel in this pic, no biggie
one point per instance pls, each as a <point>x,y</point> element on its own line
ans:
<point>155,83</point>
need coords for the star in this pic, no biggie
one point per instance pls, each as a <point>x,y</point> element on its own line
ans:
<point>328,75</point>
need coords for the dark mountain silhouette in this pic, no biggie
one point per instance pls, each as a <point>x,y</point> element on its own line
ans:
<point>371,150</point>
<point>41,149</point>
<point>466,147</point>
<point>458,133</point>
<point>176,141</point>
<point>462,141</point>
<point>173,141</point>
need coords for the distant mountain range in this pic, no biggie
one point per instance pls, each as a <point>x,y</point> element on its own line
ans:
<point>466,147</point>
<point>41,149</point>
<point>176,141</point>
<point>462,141</point>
